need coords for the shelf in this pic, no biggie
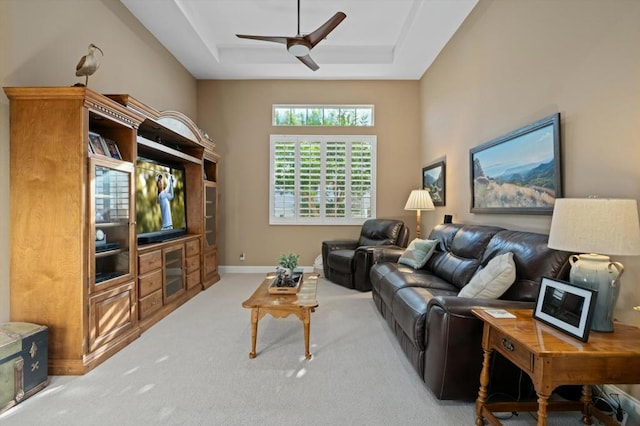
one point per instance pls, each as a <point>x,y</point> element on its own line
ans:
<point>100,278</point>
<point>148,148</point>
<point>111,224</point>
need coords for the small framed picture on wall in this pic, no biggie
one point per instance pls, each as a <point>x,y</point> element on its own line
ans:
<point>434,180</point>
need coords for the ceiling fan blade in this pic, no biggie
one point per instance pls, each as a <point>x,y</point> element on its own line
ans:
<point>324,30</point>
<point>282,40</point>
<point>309,62</point>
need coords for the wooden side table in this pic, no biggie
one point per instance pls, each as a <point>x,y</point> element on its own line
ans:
<point>551,359</point>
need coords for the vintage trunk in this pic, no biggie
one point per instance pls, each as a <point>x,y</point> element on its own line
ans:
<point>23,361</point>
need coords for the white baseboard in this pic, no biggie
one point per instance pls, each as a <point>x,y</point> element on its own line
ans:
<point>231,269</point>
<point>629,404</point>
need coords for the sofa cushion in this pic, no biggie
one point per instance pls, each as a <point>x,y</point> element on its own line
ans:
<point>493,280</point>
<point>457,258</point>
<point>533,259</point>
<point>418,252</point>
<point>388,278</point>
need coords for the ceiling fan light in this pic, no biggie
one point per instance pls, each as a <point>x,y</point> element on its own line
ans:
<point>298,49</point>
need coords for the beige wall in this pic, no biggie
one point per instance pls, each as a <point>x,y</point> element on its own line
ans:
<point>513,62</point>
<point>237,115</point>
<point>41,42</point>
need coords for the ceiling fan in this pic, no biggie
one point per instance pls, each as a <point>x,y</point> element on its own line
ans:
<point>300,46</point>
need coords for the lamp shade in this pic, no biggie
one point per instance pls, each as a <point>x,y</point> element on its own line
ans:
<point>419,199</point>
<point>595,225</point>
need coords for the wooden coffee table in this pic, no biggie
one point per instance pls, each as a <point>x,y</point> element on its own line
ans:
<point>300,304</point>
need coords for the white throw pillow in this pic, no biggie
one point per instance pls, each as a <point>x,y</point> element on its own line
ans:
<point>418,252</point>
<point>493,280</point>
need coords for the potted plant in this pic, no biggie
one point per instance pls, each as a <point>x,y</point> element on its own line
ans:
<point>287,264</point>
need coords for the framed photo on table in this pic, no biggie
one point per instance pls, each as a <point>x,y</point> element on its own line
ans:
<point>434,180</point>
<point>565,306</point>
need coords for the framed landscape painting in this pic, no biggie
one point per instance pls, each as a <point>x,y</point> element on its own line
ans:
<point>434,180</point>
<point>519,172</point>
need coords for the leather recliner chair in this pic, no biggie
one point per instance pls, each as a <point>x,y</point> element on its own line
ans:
<point>347,262</point>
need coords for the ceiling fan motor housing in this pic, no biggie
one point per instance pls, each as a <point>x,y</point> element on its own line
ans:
<point>298,47</point>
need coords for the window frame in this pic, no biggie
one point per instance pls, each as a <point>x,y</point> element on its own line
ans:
<point>322,220</point>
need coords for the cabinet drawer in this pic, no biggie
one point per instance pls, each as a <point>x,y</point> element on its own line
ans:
<point>193,279</point>
<point>149,261</point>
<point>193,247</point>
<point>512,350</point>
<point>193,263</point>
<point>150,283</point>
<point>150,304</point>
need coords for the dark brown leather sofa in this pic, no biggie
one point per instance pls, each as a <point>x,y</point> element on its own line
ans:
<point>435,327</point>
<point>347,262</point>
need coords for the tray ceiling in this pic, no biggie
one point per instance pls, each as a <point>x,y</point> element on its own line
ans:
<point>379,39</point>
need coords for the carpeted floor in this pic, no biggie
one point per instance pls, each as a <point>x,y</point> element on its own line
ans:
<point>192,368</point>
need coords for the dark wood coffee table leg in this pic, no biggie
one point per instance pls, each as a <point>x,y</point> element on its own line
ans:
<point>586,400</point>
<point>254,332</point>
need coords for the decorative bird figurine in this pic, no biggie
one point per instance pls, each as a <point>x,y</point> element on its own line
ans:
<point>88,63</point>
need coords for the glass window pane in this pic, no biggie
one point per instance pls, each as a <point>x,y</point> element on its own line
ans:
<point>364,116</point>
<point>299,116</point>
<point>330,117</point>
<point>347,116</point>
<point>314,117</point>
<point>282,116</point>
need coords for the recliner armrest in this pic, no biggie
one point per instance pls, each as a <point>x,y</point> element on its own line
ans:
<point>462,306</point>
<point>332,245</point>
<point>340,245</point>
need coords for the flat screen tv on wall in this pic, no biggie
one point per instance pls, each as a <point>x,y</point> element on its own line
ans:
<point>160,201</point>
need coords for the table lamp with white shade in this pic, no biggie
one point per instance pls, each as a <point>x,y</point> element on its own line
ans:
<point>419,200</point>
<point>600,228</point>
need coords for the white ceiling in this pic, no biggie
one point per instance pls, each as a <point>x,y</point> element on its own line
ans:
<point>379,39</point>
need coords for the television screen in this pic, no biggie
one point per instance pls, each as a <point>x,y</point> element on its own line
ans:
<point>160,201</point>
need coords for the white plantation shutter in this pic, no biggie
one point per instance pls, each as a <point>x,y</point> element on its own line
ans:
<point>322,179</point>
<point>310,179</point>
<point>335,184</point>
<point>361,166</point>
<point>283,186</point>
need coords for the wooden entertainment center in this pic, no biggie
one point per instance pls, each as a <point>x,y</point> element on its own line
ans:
<point>76,264</point>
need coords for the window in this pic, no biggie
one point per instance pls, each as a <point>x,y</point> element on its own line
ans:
<point>323,115</point>
<point>320,180</point>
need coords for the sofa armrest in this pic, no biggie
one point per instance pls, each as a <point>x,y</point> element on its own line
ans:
<point>389,254</point>
<point>462,306</point>
<point>453,343</point>
<point>364,258</point>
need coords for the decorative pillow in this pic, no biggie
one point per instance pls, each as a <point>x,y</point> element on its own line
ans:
<point>418,252</point>
<point>493,280</point>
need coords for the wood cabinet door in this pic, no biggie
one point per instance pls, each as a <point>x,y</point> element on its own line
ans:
<point>112,314</point>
